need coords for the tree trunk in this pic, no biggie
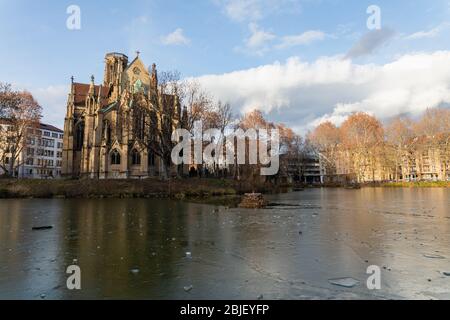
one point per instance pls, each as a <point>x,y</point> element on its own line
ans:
<point>11,171</point>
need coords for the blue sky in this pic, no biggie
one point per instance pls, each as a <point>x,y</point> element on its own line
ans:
<point>214,39</point>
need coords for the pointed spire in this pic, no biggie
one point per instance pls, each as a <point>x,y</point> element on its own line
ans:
<point>99,94</point>
<point>154,79</point>
<point>92,86</point>
<point>72,84</point>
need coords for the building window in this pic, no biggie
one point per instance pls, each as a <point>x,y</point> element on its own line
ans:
<point>47,143</point>
<point>135,157</point>
<point>31,141</point>
<point>107,132</point>
<point>139,124</point>
<point>115,157</point>
<point>79,136</point>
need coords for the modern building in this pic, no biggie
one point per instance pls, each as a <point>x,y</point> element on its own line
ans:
<point>305,170</point>
<point>41,155</point>
<point>106,133</point>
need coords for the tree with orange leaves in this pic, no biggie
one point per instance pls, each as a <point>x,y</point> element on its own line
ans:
<point>362,138</point>
<point>399,136</point>
<point>326,139</point>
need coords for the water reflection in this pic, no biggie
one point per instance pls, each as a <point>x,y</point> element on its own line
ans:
<point>235,253</point>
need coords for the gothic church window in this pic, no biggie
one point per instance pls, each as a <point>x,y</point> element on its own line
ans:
<point>138,86</point>
<point>115,157</point>
<point>135,157</point>
<point>107,131</point>
<point>79,136</point>
<point>139,124</point>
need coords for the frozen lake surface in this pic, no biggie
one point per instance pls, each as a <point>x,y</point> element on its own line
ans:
<point>315,244</point>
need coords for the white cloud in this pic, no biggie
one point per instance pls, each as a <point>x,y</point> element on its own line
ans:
<point>53,100</point>
<point>259,37</point>
<point>424,34</point>
<point>254,10</point>
<point>261,41</point>
<point>258,42</point>
<point>176,38</point>
<point>303,94</point>
<point>305,38</point>
<point>433,33</point>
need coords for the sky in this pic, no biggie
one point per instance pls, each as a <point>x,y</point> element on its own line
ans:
<point>300,61</point>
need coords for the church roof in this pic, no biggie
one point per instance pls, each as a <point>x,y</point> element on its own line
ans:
<point>109,107</point>
<point>82,91</point>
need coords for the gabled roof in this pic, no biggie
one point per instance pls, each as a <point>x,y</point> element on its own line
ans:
<point>138,61</point>
<point>82,91</point>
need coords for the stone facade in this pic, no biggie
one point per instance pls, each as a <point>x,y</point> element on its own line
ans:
<point>99,141</point>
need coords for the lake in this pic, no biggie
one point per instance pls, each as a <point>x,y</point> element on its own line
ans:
<point>164,249</point>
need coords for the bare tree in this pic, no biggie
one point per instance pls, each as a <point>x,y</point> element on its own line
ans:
<point>20,115</point>
<point>399,135</point>
<point>362,136</point>
<point>224,115</point>
<point>198,103</point>
<point>326,139</point>
<point>154,120</point>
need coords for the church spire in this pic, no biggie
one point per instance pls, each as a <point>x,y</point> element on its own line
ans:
<point>72,85</point>
<point>71,100</point>
<point>154,79</point>
<point>92,86</point>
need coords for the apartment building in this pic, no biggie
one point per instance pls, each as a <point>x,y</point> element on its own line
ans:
<point>41,156</point>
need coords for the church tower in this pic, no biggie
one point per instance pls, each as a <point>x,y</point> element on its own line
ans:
<point>115,65</point>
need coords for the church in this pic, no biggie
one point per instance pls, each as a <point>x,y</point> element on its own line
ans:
<point>100,142</point>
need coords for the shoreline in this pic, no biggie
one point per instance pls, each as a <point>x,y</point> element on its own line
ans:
<point>192,188</point>
<point>418,184</point>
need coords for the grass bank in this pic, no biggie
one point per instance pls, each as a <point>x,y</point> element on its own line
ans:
<point>418,184</point>
<point>148,188</point>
